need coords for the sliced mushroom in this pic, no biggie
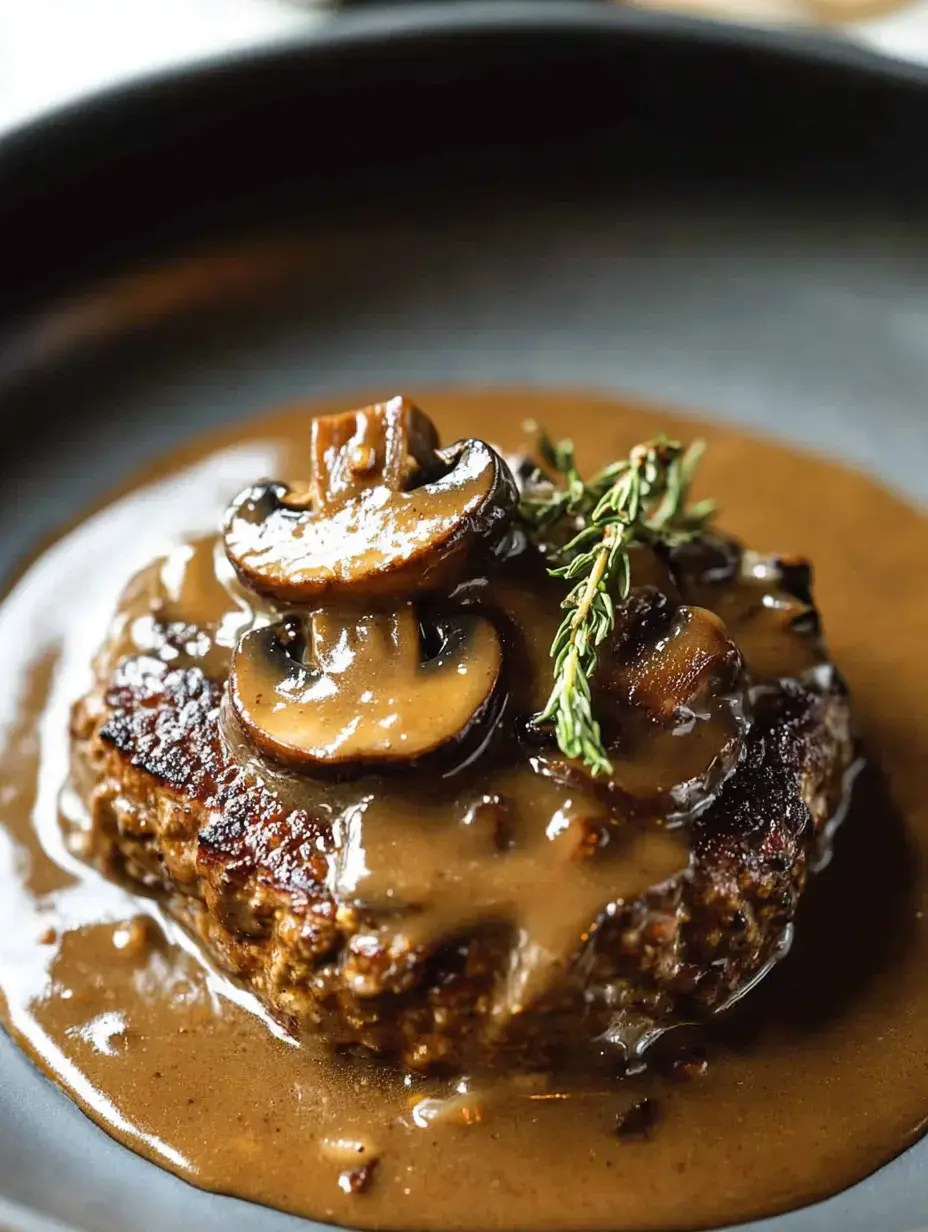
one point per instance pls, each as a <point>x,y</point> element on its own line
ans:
<point>385,511</point>
<point>360,691</point>
<point>766,603</point>
<point>693,657</point>
<point>530,603</point>
<point>678,713</point>
<point>674,707</point>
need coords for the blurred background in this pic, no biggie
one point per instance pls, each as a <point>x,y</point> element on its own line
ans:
<point>55,50</point>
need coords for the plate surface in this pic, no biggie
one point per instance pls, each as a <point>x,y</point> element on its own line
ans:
<point>544,199</point>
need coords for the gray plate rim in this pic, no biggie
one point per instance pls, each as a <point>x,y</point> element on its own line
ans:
<point>466,17</point>
<point>416,22</point>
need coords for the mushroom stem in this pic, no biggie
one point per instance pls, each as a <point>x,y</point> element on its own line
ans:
<point>381,446</point>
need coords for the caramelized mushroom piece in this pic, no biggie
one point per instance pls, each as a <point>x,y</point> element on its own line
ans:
<point>672,697</point>
<point>386,511</point>
<point>360,691</point>
<point>767,598</point>
<point>694,656</point>
<point>675,710</point>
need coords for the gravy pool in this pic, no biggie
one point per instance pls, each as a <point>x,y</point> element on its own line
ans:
<point>816,1080</point>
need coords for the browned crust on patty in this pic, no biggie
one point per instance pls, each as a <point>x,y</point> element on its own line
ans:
<point>171,809</point>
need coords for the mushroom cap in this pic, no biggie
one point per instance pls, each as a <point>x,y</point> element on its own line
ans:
<point>670,691</point>
<point>675,710</point>
<point>362,528</point>
<point>364,694</point>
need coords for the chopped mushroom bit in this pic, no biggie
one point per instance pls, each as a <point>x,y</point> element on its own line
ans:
<point>694,654</point>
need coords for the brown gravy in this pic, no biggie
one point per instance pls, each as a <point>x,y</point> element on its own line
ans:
<point>818,1079</point>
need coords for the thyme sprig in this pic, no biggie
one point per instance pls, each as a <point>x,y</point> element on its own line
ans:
<point>641,499</point>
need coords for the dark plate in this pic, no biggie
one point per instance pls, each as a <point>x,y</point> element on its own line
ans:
<point>544,195</point>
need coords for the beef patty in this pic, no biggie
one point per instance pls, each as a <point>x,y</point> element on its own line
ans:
<point>485,898</point>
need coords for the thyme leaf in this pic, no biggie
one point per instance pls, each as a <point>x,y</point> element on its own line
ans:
<point>641,499</point>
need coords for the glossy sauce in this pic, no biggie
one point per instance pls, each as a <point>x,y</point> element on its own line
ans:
<point>816,1080</point>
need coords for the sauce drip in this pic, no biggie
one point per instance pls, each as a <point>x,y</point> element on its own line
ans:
<point>113,999</point>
